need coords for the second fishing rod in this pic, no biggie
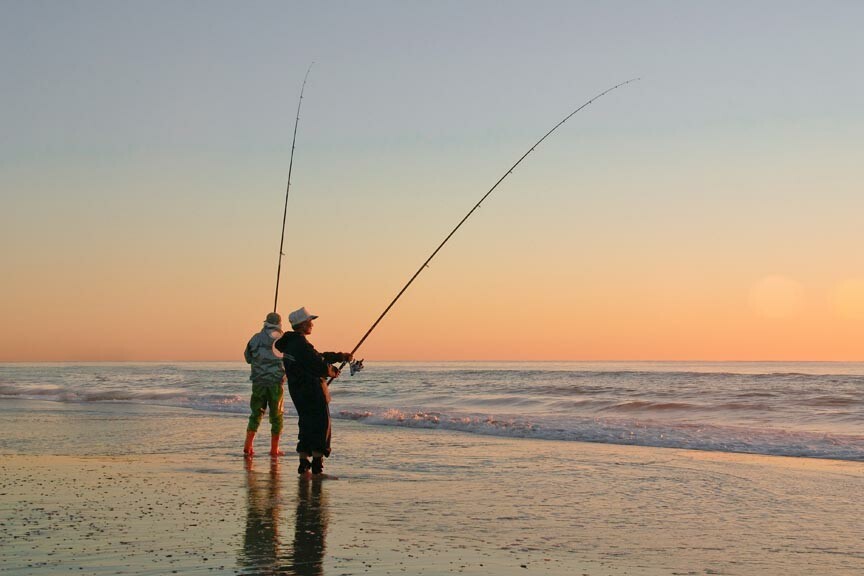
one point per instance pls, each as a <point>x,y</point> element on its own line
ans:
<point>470,212</point>
<point>288,188</point>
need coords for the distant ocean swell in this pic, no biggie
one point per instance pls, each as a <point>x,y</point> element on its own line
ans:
<point>154,397</point>
<point>780,409</point>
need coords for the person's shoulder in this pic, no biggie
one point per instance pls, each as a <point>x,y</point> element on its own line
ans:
<point>300,340</point>
<point>289,339</point>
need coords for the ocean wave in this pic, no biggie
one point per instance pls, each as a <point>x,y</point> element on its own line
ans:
<point>781,412</point>
<point>644,405</point>
<point>124,395</point>
<point>35,391</point>
<point>833,401</point>
<point>630,432</point>
<point>755,395</point>
<point>180,398</point>
<point>748,406</point>
<point>394,417</point>
<point>580,404</point>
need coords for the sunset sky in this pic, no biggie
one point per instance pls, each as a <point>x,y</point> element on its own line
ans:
<point>711,211</point>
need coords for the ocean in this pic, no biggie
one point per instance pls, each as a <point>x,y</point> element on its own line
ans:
<point>813,410</point>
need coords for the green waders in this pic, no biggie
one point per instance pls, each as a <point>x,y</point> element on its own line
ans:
<point>271,398</point>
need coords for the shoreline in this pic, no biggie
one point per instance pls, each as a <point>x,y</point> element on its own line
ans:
<point>408,501</point>
<point>204,412</point>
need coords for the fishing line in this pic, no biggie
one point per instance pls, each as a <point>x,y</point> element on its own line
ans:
<point>288,188</point>
<point>470,212</point>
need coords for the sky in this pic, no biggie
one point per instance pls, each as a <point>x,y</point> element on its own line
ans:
<point>710,211</point>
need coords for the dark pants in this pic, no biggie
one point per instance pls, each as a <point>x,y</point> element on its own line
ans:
<point>313,414</point>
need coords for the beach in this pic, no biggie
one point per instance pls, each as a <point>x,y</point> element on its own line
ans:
<point>590,271</point>
<point>131,489</point>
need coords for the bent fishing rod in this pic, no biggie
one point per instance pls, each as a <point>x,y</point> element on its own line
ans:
<point>470,212</point>
<point>288,188</point>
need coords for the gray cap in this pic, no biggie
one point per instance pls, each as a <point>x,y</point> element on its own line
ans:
<point>273,318</point>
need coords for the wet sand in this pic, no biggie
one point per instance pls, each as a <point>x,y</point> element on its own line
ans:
<point>408,501</point>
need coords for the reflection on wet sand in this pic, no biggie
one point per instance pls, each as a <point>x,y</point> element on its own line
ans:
<point>310,528</point>
<point>265,549</point>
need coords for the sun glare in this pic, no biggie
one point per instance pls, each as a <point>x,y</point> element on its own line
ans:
<point>848,299</point>
<point>776,297</point>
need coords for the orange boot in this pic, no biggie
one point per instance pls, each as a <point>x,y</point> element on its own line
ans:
<point>274,446</point>
<point>248,451</point>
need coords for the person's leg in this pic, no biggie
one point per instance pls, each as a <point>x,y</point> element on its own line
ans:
<point>257,405</point>
<point>317,464</point>
<point>322,447</point>
<point>248,449</point>
<point>304,466</point>
<point>298,399</point>
<point>276,402</point>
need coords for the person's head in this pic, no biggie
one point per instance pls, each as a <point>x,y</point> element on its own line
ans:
<point>273,318</point>
<point>301,320</point>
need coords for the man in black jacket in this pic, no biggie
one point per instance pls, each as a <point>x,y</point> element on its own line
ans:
<point>307,371</point>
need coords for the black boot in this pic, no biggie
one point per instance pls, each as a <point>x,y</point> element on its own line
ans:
<point>305,465</point>
<point>317,465</point>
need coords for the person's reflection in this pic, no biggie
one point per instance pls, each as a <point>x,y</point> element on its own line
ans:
<point>310,528</point>
<point>261,541</point>
<point>263,551</point>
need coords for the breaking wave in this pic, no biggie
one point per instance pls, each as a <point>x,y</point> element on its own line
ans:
<point>630,432</point>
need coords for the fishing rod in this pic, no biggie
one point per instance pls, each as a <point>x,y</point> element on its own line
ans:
<point>459,225</point>
<point>288,188</point>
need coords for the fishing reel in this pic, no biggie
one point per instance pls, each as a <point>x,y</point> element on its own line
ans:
<point>355,366</point>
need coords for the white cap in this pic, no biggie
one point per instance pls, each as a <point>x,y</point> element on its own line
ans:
<point>299,316</point>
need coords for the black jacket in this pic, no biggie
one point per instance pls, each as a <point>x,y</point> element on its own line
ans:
<point>305,366</point>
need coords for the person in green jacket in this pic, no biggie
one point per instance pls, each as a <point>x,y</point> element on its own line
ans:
<point>268,384</point>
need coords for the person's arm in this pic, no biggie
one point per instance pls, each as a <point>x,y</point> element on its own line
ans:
<point>248,354</point>
<point>333,357</point>
<point>313,362</point>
